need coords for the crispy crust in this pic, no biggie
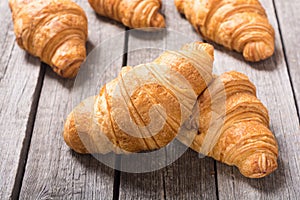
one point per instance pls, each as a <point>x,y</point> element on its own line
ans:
<point>133,14</point>
<point>109,114</point>
<point>244,138</point>
<point>240,25</point>
<point>53,30</point>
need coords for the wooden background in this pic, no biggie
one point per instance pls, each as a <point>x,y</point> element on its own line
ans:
<point>36,163</point>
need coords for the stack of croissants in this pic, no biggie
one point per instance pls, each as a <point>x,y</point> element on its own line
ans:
<point>56,31</point>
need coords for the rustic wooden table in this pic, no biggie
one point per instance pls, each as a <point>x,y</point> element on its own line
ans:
<point>36,163</point>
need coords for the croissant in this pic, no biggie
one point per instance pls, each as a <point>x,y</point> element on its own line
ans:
<point>171,83</point>
<point>241,25</point>
<point>131,13</point>
<point>243,138</point>
<point>98,125</point>
<point>53,30</point>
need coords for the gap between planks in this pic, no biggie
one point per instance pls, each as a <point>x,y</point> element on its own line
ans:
<point>33,112</point>
<point>29,130</point>
<point>117,173</point>
<point>52,169</point>
<point>286,60</point>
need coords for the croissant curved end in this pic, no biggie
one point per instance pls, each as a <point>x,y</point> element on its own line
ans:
<point>68,57</point>
<point>179,5</point>
<point>71,136</point>
<point>158,21</point>
<point>257,50</point>
<point>72,70</point>
<point>208,48</point>
<point>258,165</point>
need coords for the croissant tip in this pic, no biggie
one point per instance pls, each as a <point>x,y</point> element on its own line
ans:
<point>257,51</point>
<point>71,136</point>
<point>259,165</point>
<point>179,5</point>
<point>209,49</point>
<point>158,21</point>
<point>72,70</point>
<point>68,58</point>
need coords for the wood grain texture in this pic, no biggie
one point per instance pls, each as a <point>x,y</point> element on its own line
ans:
<point>190,177</point>
<point>273,86</point>
<point>274,89</point>
<point>19,88</point>
<point>141,185</point>
<point>53,171</point>
<point>288,18</point>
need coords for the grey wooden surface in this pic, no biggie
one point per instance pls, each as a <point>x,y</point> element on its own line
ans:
<point>20,83</point>
<point>36,163</point>
<point>53,171</point>
<point>289,26</point>
<point>275,90</point>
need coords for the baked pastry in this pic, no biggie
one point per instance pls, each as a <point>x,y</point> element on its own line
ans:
<point>240,25</point>
<point>131,13</point>
<point>234,126</point>
<point>128,111</point>
<point>53,30</point>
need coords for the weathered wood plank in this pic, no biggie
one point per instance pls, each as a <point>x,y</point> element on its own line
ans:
<point>274,89</point>
<point>190,177</point>
<point>19,91</point>
<point>287,14</point>
<point>141,185</point>
<point>142,48</point>
<point>53,170</point>
<point>180,180</point>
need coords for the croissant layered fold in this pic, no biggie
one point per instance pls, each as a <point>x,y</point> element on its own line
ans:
<point>241,134</point>
<point>53,30</point>
<point>240,25</point>
<point>131,13</point>
<point>173,81</point>
<point>232,124</point>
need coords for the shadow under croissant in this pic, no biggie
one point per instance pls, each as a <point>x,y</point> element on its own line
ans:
<point>89,46</point>
<point>190,170</point>
<point>160,34</point>
<point>269,184</point>
<point>50,74</point>
<point>109,21</point>
<point>90,163</point>
<point>45,70</point>
<point>29,58</point>
<point>265,65</point>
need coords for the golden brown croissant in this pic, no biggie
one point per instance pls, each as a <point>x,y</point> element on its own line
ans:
<point>241,25</point>
<point>53,30</point>
<point>132,13</point>
<point>172,82</point>
<point>243,139</point>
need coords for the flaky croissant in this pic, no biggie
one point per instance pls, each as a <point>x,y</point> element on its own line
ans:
<point>241,25</point>
<point>243,139</point>
<point>132,13</point>
<point>173,81</point>
<point>53,30</point>
<point>98,124</point>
